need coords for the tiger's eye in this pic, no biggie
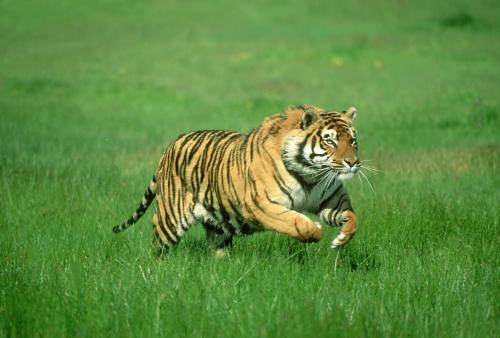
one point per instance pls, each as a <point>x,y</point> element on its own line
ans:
<point>330,142</point>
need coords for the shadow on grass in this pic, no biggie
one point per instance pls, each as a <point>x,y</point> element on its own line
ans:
<point>279,249</point>
<point>193,246</point>
<point>459,20</point>
<point>361,261</point>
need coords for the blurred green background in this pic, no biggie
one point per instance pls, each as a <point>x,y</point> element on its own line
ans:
<point>91,93</point>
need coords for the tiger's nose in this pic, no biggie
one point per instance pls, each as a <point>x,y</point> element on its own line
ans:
<point>350,161</point>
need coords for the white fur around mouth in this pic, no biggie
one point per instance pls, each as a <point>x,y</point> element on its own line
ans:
<point>345,176</point>
<point>348,173</point>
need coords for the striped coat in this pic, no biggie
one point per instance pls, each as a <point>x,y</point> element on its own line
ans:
<point>234,183</point>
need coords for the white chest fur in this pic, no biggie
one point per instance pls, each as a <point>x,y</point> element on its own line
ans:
<point>311,200</point>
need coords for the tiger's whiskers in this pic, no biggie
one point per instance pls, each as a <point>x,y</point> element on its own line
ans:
<point>372,169</point>
<point>327,179</point>
<point>367,180</point>
<point>369,167</point>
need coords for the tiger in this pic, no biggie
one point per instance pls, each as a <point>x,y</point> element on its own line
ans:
<point>236,184</point>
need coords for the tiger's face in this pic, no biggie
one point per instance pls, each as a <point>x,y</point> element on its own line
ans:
<point>326,145</point>
<point>336,146</point>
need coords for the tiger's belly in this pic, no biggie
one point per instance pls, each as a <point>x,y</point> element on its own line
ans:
<point>226,221</point>
<point>235,224</point>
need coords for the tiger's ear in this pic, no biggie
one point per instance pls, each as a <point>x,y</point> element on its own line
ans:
<point>351,113</point>
<point>309,116</point>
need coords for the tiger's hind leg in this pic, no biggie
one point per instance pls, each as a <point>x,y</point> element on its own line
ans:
<point>218,238</point>
<point>169,230</point>
<point>163,239</point>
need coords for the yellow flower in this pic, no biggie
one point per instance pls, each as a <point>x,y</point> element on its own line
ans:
<point>337,61</point>
<point>378,64</point>
<point>240,57</point>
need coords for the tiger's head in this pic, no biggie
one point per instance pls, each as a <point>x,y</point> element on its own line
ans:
<point>322,144</point>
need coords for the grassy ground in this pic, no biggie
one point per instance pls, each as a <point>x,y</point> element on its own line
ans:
<point>92,91</point>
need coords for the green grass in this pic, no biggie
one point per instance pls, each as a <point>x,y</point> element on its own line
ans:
<point>91,92</point>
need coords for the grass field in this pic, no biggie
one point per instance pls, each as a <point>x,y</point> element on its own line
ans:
<point>91,92</point>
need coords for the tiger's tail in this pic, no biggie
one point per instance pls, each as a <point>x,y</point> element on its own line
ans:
<point>148,197</point>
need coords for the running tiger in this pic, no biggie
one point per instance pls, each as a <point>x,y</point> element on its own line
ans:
<point>237,184</point>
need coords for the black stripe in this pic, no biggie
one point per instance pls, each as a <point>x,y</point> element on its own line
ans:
<point>164,230</point>
<point>283,189</point>
<point>326,200</point>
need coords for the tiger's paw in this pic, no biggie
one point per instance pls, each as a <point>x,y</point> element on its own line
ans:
<point>221,253</point>
<point>341,240</point>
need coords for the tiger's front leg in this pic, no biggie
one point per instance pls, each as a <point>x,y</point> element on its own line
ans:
<point>273,216</point>
<point>338,212</point>
<point>348,222</point>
